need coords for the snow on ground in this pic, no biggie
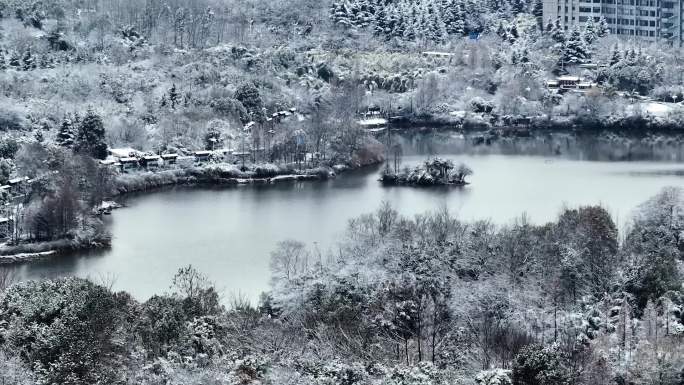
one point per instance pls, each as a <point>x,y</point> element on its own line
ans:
<point>659,109</point>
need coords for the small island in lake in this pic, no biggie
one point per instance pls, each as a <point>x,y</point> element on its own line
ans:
<point>434,172</point>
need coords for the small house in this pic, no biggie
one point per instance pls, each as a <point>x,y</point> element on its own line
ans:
<point>109,163</point>
<point>568,82</point>
<point>17,181</point>
<point>170,159</point>
<point>151,161</point>
<point>129,163</point>
<point>202,156</point>
<point>185,161</point>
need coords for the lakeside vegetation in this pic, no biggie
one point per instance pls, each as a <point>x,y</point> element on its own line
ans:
<point>278,84</point>
<point>403,301</point>
<point>264,81</point>
<point>433,172</point>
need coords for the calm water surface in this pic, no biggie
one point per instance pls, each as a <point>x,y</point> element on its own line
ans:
<point>229,233</point>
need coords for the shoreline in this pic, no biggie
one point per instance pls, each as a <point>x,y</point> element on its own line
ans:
<point>224,176</point>
<point>29,252</point>
<point>630,126</point>
<point>150,182</point>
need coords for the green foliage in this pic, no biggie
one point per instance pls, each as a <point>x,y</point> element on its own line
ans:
<point>90,137</point>
<point>248,94</point>
<point>539,365</point>
<point>67,133</point>
<point>6,169</point>
<point>8,148</point>
<point>66,329</point>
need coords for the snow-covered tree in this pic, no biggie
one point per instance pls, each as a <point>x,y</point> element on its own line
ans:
<point>575,49</point>
<point>590,33</point>
<point>602,27</point>
<point>90,137</point>
<point>67,132</point>
<point>174,96</point>
<point>558,33</point>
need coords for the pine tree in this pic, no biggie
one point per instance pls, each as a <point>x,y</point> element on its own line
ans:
<point>65,135</point>
<point>549,26</point>
<point>602,29</point>
<point>380,22</point>
<point>538,12</point>
<point>518,7</point>
<point>341,14</point>
<point>15,61</point>
<point>513,34</point>
<point>409,30</point>
<point>454,18</point>
<point>501,31</point>
<point>365,13</point>
<point>575,50</point>
<point>436,28</point>
<point>3,63</point>
<point>615,56</point>
<point>558,34</point>
<point>29,62</point>
<point>590,34</point>
<point>90,138</point>
<point>400,26</point>
<point>174,97</point>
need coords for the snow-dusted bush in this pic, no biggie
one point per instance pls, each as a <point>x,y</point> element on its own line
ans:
<point>494,377</point>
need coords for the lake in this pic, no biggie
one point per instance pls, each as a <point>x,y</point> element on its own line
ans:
<point>228,233</point>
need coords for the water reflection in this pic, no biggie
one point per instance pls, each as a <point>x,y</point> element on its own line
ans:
<point>228,233</point>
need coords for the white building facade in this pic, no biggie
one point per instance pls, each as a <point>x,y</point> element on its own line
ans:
<point>649,20</point>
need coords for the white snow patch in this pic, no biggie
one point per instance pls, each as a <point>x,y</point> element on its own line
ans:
<point>373,122</point>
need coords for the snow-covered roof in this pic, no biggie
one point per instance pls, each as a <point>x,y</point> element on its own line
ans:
<point>18,180</point>
<point>202,153</point>
<point>151,158</point>
<point>568,78</point>
<point>169,156</point>
<point>123,152</point>
<point>128,160</point>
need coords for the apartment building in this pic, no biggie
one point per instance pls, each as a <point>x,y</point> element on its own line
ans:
<point>649,20</point>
